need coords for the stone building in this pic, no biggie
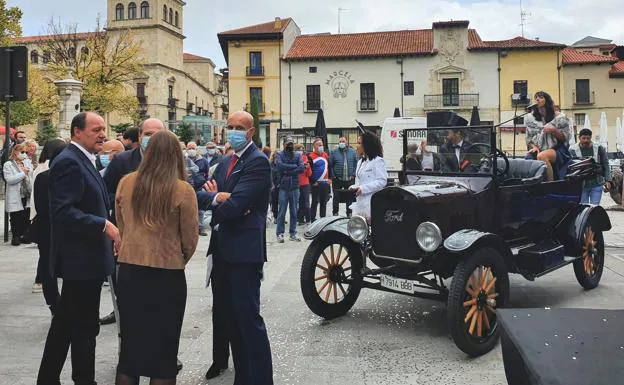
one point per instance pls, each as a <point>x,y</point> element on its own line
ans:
<point>173,84</point>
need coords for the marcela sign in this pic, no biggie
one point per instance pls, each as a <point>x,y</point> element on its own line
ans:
<point>339,82</point>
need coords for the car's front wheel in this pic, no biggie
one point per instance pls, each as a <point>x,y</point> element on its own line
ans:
<point>331,275</point>
<point>480,286</point>
<point>588,268</point>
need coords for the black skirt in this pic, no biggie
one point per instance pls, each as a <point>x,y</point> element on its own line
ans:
<point>151,310</point>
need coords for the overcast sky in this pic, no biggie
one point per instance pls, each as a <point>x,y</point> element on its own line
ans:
<point>561,21</point>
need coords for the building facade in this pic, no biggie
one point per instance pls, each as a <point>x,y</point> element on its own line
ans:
<point>254,57</point>
<point>172,84</point>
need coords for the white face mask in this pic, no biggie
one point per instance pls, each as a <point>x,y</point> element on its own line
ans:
<point>192,153</point>
<point>23,156</point>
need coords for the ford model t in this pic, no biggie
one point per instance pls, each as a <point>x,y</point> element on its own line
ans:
<point>474,215</point>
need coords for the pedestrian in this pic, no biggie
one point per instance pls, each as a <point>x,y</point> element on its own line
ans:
<point>41,225</point>
<point>372,175</point>
<point>343,161</point>
<point>274,187</point>
<point>109,150</point>
<point>303,212</point>
<point>31,151</point>
<point>212,156</point>
<point>320,180</point>
<point>585,148</point>
<point>81,251</point>
<point>267,151</point>
<point>289,167</point>
<point>411,160</point>
<point>20,137</point>
<point>203,166</point>
<point>130,138</point>
<point>18,175</point>
<point>239,197</point>
<point>157,216</point>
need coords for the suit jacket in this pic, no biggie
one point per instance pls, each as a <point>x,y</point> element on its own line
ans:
<point>121,165</point>
<point>79,206</point>
<point>41,222</point>
<point>448,159</point>
<point>241,220</point>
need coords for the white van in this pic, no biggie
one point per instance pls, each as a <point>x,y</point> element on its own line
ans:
<point>392,140</point>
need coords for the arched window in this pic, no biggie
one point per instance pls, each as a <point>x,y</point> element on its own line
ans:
<point>46,57</point>
<point>132,11</point>
<point>119,12</point>
<point>164,12</point>
<point>34,57</point>
<point>177,20</point>
<point>170,16</point>
<point>145,10</point>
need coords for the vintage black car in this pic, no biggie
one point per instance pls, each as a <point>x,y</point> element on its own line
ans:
<point>476,218</point>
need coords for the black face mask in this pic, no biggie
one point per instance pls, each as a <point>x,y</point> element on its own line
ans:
<point>289,148</point>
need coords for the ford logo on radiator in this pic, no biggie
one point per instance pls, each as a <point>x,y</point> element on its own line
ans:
<point>393,216</point>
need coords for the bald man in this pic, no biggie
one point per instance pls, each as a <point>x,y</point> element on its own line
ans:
<point>238,196</point>
<point>109,150</point>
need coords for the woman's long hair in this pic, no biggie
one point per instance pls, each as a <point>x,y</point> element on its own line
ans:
<point>17,149</point>
<point>371,145</point>
<point>157,177</point>
<point>550,108</point>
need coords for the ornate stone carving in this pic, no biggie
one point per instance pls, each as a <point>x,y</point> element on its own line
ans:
<point>451,46</point>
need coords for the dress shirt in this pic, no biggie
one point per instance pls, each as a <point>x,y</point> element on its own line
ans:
<point>458,149</point>
<point>89,156</point>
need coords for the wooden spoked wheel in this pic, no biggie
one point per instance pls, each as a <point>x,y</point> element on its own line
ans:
<point>333,267</point>
<point>480,303</point>
<point>589,252</point>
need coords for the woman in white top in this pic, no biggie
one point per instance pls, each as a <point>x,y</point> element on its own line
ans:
<point>18,174</point>
<point>371,174</point>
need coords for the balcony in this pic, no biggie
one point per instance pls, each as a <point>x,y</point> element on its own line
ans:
<point>457,101</point>
<point>261,108</point>
<point>522,102</point>
<point>367,105</point>
<point>172,103</point>
<point>189,108</point>
<point>584,99</point>
<point>255,72</point>
<point>142,99</point>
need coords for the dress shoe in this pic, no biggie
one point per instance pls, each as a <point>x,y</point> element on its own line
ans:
<point>109,319</point>
<point>15,241</point>
<point>203,233</point>
<point>179,366</point>
<point>215,371</point>
<point>25,240</point>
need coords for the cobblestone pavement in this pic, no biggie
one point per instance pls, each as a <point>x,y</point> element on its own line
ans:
<point>385,339</point>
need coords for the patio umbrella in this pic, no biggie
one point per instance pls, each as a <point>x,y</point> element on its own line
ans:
<point>3,130</point>
<point>475,120</point>
<point>587,122</point>
<point>620,134</point>
<point>397,113</point>
<point>603,130</point>
<point>320,130</point>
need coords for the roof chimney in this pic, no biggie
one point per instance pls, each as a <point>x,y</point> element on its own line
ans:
<point>278,23</point>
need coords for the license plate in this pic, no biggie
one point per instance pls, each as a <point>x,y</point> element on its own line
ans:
<point>397,284</point>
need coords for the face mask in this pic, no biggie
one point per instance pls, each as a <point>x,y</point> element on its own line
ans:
<point>144,142</point>
<point>237,139</point>
<point>192,153</point>
<point>211,151</point>
<point>342,146</point>
<point>300,153</point>
<point>289,148</point>
<point>105,160</point>
<point>23,156</point>
<point>320,149</point>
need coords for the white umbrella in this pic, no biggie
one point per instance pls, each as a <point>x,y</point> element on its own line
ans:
<point>619,131</point>
<point>604,131</point>
<point>587,122</point>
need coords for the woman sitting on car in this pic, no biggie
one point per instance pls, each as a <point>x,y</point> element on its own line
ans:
<point>371,174</point>
<point>548,135</point>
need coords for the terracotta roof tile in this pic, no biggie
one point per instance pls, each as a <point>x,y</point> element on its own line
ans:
<point>374,44</point>
<point>38,39</point>
<point>189,57</point>
<point>572,56</point>
<point>474,40</point>
<point>617,70</point>
<point>519,42</point>
<point>270,27</point>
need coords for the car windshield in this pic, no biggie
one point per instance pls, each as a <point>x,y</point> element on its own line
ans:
<point>454,151</point>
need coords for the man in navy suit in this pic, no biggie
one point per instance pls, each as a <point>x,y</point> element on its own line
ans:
<point>238,195</point>
<point>81,251</point>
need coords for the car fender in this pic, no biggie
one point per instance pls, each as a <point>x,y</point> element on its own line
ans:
<point>322,225</point>
<point>597,215</point>
<point>466,240</point>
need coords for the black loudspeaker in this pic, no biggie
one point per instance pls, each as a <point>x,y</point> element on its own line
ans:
<point>14,73</point>
<point>445,119</point>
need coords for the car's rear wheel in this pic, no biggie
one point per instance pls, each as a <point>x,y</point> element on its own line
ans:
<point>588,268</point>
<point>480,286</point>
<point>331,275</point>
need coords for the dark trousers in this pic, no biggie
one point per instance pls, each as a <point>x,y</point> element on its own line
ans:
<point>320,196</point>
<point>274,202</point>
<point>48,283</point>
<point>20,220</point>
<point>251,350</point>
<point>304,204</point>
<point>220,340</point>
<point>338,184</point>
<point>74,324</point>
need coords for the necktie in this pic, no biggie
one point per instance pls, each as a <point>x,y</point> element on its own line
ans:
<point>231,167</point>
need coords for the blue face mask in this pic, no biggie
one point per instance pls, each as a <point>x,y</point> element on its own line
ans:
<point>105,160</point>
<point>342,146</point>
<point>144,142</point>
<point>237,139</point>
<point>211,151</point>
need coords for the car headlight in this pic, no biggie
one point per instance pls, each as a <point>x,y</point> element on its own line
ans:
<point>428,236</point>
<point>357,227</point>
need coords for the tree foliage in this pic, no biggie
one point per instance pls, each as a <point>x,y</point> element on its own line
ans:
<point>121,127</point>
<point>185,132</point>
<point>10,27</point>
<point>46,133</point>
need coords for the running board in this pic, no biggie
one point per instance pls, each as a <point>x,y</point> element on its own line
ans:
<point>532,276</point>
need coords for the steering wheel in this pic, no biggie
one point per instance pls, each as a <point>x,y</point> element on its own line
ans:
<point>488,160</point>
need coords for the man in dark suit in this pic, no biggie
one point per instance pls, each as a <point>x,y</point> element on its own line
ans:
<point>453,153</point>
<point>238,195</point>
<point>81,251</point>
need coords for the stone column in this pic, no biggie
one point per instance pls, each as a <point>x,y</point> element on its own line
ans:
<point>70,91</point>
